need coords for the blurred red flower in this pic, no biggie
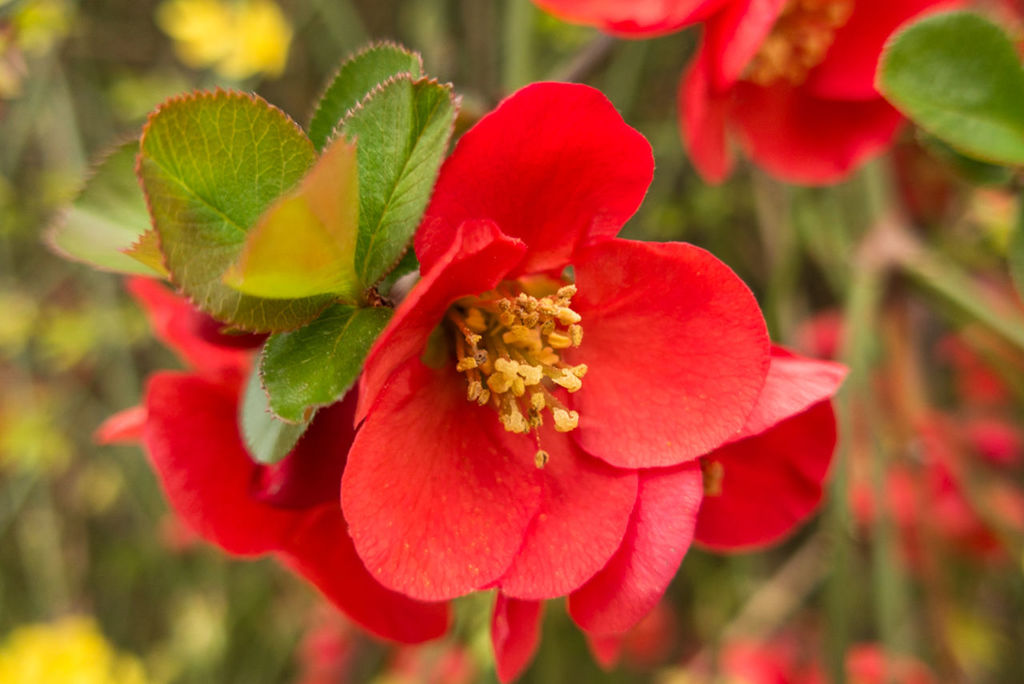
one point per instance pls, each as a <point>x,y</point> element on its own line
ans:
<point>792,80</point>
<point>533,487</point>
<point>188,423</point>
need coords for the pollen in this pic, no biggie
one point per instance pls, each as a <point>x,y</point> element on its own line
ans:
<point>799,41</point>
<point>509,346</point>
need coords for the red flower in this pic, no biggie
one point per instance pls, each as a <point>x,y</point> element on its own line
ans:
<point>792,80</point>
<point>500,448</point>
<point>188,424</point>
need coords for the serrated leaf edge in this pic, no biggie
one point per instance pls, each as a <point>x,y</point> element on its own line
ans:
<point>195,96</point>
<point>456,101</point>
<point>49,236</point>
<point>348,60</point>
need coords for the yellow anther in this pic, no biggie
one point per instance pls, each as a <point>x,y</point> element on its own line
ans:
<point>576,335</point>
<point>508,344</point>
<point>565,420</point>
<point>558,340</point>
<point>517,334</point>
<point>537,401</point>
<point>513,419</point>
<point>499,383</point>
<point>540,459</point>
<point>532,375</point>
<point>568,380</point>
<point>506,366</point>
<point>567,316</point>
<point>547,356</point>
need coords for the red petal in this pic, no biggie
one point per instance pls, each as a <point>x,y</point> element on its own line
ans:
<point>321,551</point>
<point>702,121</point>
<point>174,321</point>
<point>677,353</point>
<point>634,18</point>
<point>804,139</point>
<point>124,427</point>
<point>554,165</point>
<point>848,72</point>
<point>436,503</point>
<point>192,439</point>
<point>734,37</point>
<point>770,482</point>
<point>311,473</point>
<point>606,648</point>
<point>585,508</point>
<point>515,634</point>
<point>475,260</point>
<point>659,534</point>
<point>793,385</point>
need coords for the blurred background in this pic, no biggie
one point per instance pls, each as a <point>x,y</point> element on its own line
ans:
<point>918,551</point>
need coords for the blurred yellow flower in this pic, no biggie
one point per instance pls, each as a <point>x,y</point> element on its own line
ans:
<point>31,439</point>
<point>237,39</point>
<point>69,650</point>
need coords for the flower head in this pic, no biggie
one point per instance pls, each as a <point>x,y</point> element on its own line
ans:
<point>546,437</point>
<point>791,80</point>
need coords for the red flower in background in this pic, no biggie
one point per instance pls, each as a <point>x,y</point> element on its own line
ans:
<point>501,448</point>
<point>189,425</point>
<point>791,80</point>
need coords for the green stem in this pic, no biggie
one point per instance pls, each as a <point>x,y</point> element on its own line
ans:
<point>861,310</point>
<point>944,280</point>
<point>517,69</point>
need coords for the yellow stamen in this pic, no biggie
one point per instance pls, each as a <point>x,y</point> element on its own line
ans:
<point>565,421</point>
<point>508,343</point>
<point>799,41</point>
<point>559,341</point>
<point>541,458</point>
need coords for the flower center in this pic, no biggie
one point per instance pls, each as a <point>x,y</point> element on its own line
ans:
<point>509,347</point>
<point>798,41</point>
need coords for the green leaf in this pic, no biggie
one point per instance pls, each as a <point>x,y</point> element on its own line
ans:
<point>268,438</point>
<point>305,244</point>
<point>107,217</point>
<point>970,169</point>
<point>959,76</point>
<point>401,130</point>
<point>356,77</point>
<point>1016,249</point>
<point>146,250</point>
<point>316,365</point>
<point>211,164</point>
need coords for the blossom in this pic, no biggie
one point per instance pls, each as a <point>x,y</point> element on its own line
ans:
<point>69,649</point>
<point>548,438</point>
<point>792,81</point>
<point>239,39</point>
<point>188,425</point>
